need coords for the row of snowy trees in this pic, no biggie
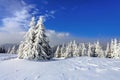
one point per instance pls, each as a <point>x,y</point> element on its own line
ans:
<point>36,45</point>
<point>73,49</point>
<point>2,50</point>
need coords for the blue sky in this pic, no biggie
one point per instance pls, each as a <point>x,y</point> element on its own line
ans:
<point>86,18</point>
<point>79,18</point>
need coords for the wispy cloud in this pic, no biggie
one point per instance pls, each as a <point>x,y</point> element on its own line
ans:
<point>16,14</point>
<point>16,22</point>
<point>14,25</point>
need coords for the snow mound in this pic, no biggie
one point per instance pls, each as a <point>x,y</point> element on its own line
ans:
<point>79,68</point>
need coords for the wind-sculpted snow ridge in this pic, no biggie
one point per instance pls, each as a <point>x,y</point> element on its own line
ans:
<point>79,68</point>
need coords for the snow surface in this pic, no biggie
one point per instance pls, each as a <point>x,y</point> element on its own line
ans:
<point>7,56</point>
<point>79,68</point>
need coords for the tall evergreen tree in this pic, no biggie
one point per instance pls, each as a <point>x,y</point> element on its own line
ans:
<point>35,45</point>
<point>62,50</point>
<point>107,52</point>
<point>75,49</point>
<point>115,53</point>
<point>26,48</point>
<point>98,50</point>
<point>41,48</point>
<point>84,50</point>
<point>69,51</point>
<point>89,52</point>
<point>13,50</point>
<point>57,52</point>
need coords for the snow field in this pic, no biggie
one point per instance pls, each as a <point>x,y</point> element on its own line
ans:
<point>79,68</point>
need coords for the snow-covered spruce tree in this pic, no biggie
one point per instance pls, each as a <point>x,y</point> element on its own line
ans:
<point>69,51</point>
<point>26,47</point>
<point>62,50</point>
<point>9,49</point>
<point>20,50</point>
<point>89,51</point>
<point>57,52</point>
<point>80,49</point>
<point>111,48</point>
<point>84,50</point>
<point>119,50</point>
<point>2,50</point>
<point>115,53</point>
<point>13,50</point>
<point>107,52</point>
<point>41,48</point>
<point>75,49</point>
<point>35,46</point>
<point>98,50</point>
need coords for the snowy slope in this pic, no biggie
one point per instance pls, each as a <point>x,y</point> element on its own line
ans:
<point>82,68</point>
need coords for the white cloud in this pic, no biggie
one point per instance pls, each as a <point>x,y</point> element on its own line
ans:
<point>17,23</point>
<point>58,37</point>
<point>57,34</point>
<point>19,18</point>
<point>13,26</point>
<point>53,36</point>
<point>8,7</point>
<point>11,37</point>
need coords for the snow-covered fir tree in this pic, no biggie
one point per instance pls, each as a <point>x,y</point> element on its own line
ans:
<point>111,47</point>
<point>80,49</point>
<point>26,48</point>
<point>118,50</point>
<point>75,49</point>
<point>62,50</point>
<point>13,50</point>
<point>41,48</point>
<point>113,50</point>
<point>9,49</point>
<point>98,50</point>
<point>2,50</point>
<point>35,45</point>
<point>107,52</point>
<point>89,51</point>
<point>69,51</point>
<point>115,53</point>
<point>84,50</point>
<point>57,52</point>
<point>20,50</point>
